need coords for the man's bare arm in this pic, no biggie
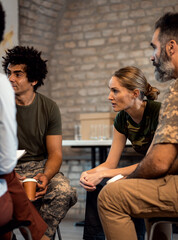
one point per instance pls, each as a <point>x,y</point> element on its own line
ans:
<point>54,161</point>
<point>159,161</point>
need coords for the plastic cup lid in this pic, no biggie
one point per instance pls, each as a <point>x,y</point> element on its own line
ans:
<point>29,180</point>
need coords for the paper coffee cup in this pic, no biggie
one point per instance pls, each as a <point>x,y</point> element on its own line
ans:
<point>29,185</point>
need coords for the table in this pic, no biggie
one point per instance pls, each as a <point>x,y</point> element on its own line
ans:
<point>102,146</point>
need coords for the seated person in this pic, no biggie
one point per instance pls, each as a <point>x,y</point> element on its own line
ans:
<point>39,133</point>
<point>7,163</point>
<point>13,200</point>
<point>151,189</point>
<point>136,120</point>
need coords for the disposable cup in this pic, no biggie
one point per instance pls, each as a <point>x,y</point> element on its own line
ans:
<point>29,185</point>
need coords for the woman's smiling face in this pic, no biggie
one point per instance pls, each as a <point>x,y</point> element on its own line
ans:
<point>121,98</point>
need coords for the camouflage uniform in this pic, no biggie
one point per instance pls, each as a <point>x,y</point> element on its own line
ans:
<point>59,198</point>
<point>118,202</point>
<point>167,131</point>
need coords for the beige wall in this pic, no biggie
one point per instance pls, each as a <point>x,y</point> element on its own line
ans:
<point>85,41</point>
<point>10,37</point>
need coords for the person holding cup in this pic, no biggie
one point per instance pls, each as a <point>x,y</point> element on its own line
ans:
<point>14,203</point>
<point>136,120</point>
<point>40,134</point>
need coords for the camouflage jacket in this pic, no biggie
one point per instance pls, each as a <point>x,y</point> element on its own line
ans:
<point>167,130</point>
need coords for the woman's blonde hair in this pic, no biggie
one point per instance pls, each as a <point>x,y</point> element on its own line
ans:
<point>132,78</point>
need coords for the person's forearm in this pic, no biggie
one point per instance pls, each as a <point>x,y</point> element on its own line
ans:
<point>147,169</point>
<point>99,168</point>
<point>143,170</point>
<point>157,163</point>
<point>52,165</point>
<point>104,166</point>
<point>125,171</point>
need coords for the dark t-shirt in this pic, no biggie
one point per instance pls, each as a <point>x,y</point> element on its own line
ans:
<point>141,134</point>
<point>35,122</point>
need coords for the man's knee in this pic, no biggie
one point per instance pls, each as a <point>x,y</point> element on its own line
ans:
<point>62,190</point>
<point>105,195</point>
<point>110,193</point>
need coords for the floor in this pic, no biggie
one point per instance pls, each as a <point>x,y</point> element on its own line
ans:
<point>70,232</point>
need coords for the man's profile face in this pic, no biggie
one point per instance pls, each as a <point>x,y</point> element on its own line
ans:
<point>18,79</point>
<point>164,69</point>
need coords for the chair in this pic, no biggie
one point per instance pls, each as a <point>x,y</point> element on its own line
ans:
<point>155,221</point>
<point>14,224</point>
<point>58,233</point>
<point>37,204</point>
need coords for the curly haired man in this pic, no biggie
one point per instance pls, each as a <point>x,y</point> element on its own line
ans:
<point>39,133</point>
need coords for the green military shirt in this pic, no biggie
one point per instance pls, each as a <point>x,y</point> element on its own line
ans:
<point>141,134</point>
<point>35,122</point>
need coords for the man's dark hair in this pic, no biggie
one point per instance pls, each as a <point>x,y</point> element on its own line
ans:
<point>2,22</point>
<point>168,25</point>
<point>35,67</point>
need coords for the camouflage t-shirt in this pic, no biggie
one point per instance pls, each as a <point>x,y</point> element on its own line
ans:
<point>167,131</point>
<point>141,134</point>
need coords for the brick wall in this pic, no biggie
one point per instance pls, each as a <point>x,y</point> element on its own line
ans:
<point>85,41</point>
<point>38,20</point>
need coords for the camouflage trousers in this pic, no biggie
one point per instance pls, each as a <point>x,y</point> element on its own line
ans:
<point>56,202</point>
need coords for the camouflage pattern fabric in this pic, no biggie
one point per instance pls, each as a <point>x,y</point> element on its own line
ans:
<point>59,198</point>
<point>167,130</point>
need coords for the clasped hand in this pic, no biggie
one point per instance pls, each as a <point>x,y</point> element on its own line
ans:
<point>89,180</point>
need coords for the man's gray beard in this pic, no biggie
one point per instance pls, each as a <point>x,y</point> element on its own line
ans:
<point>164,73</point>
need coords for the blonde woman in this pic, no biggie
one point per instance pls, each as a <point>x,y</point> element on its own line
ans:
<point>133,98</point>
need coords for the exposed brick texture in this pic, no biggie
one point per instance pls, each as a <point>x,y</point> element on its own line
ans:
<point>85,41</point>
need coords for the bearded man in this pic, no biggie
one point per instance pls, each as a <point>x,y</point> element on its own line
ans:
<point>151,190</point>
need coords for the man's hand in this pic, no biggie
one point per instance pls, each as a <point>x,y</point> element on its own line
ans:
<point>42,182</point>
